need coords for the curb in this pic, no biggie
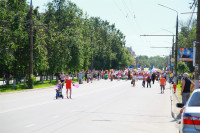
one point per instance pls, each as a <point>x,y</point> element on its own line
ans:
<point>175,112</point>
<point>26,90</point>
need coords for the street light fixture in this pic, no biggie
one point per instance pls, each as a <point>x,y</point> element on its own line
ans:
<point>176,46</point>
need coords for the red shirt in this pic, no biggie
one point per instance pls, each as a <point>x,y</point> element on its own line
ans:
<point>174,86</point>
<point>68,83</point>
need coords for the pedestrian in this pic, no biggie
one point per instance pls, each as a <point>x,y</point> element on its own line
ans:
<point>80,78</point>
<point>4,78</point>
<point>62,78</point>
<point>133,79</point>
<point>153,77</point>
<point>174,86</point>
<point>143,82</point>
<point>86,75</point>
<point>68,86</point>
<point>149,81</point>
<point>98,75</point>
<point>59,88</point>
<point>187,87</point>
<point>111,76</point>
<point>162,84</point>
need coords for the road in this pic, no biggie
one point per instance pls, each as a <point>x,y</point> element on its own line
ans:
<point>98,107</point>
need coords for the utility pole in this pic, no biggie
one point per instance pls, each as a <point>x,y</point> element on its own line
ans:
<point>176,51</point>
<point>31,44</point>
<point>176,44</point>
<point>197,67</point>
<point>172,51</point>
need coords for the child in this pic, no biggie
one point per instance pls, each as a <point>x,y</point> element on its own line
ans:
<point>174,86</point>
<point>68,86</point>
<point>59,88</point>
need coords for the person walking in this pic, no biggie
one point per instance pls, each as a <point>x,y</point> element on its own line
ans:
<point>143,82</point>
<point>133,79</point>
<point>153,77</point>
<point>162,84</point>
<point>149,81</point>
<point>4,78</point>
<point>62,78</point>
<point>187,87</point>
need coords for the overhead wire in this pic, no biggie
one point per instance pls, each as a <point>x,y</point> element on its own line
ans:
<point>194,4</point>
<point>132,19</point>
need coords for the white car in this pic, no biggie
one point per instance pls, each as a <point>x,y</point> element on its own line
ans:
<point>190,118</point>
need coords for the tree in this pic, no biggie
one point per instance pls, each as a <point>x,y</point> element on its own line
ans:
<point>182,67</point>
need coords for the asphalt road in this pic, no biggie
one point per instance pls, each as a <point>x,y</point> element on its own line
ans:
<point>98,107</point>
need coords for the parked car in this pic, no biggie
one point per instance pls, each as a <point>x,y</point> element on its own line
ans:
<point>190,118</point>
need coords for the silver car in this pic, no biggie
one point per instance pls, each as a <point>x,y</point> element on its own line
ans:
<point>190,118</point>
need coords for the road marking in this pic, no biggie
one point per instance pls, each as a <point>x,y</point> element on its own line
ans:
<point>25,107</point>
<point>56,116</point>
<point>30,125</point>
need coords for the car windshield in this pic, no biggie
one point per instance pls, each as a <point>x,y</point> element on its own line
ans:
<point>195,99</point>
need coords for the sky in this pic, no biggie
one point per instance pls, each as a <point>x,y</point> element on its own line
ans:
<point>138,17</point>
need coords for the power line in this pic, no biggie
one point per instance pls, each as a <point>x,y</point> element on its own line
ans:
<point>195,3</point>
<point>119,8</point>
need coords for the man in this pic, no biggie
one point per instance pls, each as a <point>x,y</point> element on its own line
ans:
<point>149,81</point>
<point>153,77</point>
<point>187,87</point>
<point>162,84</point>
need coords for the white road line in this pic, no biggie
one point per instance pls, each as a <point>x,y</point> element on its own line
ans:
<point>25,107</point>
<point>30,125</point>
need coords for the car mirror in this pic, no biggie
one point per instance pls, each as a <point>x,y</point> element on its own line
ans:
<point>179,105</point>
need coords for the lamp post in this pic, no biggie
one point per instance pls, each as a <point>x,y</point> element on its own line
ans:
<point>176,44</point>
<point>172,55</point>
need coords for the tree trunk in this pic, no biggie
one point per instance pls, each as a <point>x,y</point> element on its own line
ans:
<point>40,77</point>
<point>46,76</point>
<point>51,78</point>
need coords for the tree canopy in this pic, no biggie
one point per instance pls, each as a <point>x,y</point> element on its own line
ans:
<point>65,39</point>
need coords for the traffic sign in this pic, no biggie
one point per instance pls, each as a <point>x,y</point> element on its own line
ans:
<point>172,64</point>
<point>172,59</point>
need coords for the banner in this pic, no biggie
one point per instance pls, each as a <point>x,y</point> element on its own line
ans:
<point>186,54</point>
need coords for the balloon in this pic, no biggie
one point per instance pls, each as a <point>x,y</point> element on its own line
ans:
<point>77,86</point>
<point>57,86</point>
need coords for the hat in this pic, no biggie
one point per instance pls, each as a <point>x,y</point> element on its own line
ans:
<point>185,74</point>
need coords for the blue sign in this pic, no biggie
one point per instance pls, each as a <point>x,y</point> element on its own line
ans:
<point>186,54</point>
<point>172,64</point>
<point>131,66</point>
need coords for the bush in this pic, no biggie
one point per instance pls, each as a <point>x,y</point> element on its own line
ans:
<point>32,81</point>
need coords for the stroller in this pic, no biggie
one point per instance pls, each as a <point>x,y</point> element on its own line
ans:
<point>59,92</point>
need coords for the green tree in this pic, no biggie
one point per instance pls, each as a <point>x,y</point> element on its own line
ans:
<point>182,67</point>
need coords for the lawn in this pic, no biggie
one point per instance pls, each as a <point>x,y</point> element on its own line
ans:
<point>21,86</point>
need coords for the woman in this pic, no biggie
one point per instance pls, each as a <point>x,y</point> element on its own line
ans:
<point>68,86</point>
<point>133,79</point>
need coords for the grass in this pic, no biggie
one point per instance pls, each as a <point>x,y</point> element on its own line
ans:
<point>21,86</point>
<point>1,79</point>
<point>178,93</point>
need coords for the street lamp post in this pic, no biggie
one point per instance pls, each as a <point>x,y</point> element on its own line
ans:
<point>172,55</point>
<point>176,44</point>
